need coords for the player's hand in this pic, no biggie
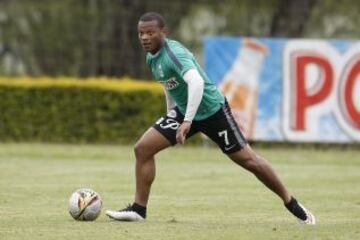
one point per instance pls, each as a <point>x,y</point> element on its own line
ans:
<point>182,131</point>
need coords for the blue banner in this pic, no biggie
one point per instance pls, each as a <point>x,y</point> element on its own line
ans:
<point>289,89</point>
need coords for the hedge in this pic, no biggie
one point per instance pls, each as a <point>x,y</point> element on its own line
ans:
<point>77,111</point>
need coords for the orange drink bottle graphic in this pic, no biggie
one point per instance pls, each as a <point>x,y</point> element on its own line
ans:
<point>240,84</point>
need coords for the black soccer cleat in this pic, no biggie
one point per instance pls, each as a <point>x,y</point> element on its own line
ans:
<point>299,211</point>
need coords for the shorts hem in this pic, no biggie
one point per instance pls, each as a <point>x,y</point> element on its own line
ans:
<point>157,128</point>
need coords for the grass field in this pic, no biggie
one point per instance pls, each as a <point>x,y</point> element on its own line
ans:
<point>198,193</point>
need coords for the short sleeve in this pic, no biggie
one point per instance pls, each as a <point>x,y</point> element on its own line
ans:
<point>182,60</point>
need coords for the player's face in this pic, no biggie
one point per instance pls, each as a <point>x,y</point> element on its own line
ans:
<point>150,35</point>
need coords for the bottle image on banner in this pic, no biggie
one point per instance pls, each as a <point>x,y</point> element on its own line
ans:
<point>240,84</point>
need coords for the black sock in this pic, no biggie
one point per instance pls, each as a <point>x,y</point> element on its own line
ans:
<point>295,209</point>
<point>291,202</point>
<point>141,210</point>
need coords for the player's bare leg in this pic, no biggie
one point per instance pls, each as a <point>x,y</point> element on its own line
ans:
<point>145,149</point>
<point>249,160</point>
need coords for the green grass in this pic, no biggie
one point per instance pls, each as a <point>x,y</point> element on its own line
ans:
<point>198,193</point>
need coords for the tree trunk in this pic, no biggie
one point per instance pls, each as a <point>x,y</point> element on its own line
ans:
<point>291,17</point>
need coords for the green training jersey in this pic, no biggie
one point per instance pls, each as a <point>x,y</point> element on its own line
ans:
<point>169,65</point>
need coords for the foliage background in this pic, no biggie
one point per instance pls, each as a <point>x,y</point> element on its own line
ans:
<point>98,37</point>
<point>69,110</point>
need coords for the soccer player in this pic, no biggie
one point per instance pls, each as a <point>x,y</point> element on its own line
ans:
<point>194,104</point>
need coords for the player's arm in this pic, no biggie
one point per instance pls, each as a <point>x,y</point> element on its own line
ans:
<point>195,93</point>
<point>170,103</point>
<point>184,65</point>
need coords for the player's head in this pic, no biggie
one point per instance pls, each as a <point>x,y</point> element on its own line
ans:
<point>151,31</point>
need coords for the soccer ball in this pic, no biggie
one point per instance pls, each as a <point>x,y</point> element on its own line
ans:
<point>85,204</point>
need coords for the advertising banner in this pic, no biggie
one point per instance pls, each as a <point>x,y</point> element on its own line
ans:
<point>298,90</point>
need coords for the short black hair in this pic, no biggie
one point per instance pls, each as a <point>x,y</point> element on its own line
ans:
<point>153,16</point>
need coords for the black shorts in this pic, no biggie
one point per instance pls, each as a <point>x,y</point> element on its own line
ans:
<point>220,127</point>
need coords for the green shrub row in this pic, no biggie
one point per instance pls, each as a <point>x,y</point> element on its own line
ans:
<point>77,113</point>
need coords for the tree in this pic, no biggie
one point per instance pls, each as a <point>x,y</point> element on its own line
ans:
<point>291,17</point>
<point>81,37</point>
<point>99,37</point>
